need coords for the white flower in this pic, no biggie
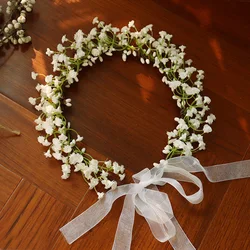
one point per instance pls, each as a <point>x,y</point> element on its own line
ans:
<point>179,144</point>
<point>172,134</point>
<point>48,154</point>
<point>68,102</point>
<point>95,52</point>
<point>78,38</point>
<point>191,111</point>
<point>34,75</point>
<point>182,48</point>
<point>198,100</point>
<point>58,122</point>
<point>183,74</point>
<point>65,176</point>
<point>207,100</point>
<point>49,52</point>
<point>207,129</point>
<point>62,137</point>
<point>189,62</point>
<point>88,173</point>
<point>167,149</point>
<point>93,166</point>
<point>80,167</point>
<point>195,122</point>
<point>168,37</point>
<point>67,149</point>
<point>48,78</point>
<point>142,60</point>
<point>64,39</point>
<point>100,195</point>
<point>173,84</point>
<point>191,90</point>
<point>131,24</point>
<point>60,48</point>
<point>66,168</point>
<point>121,176</point>
<point>79,138</point>
<point>41,139</point>
<point>202,145</point>
<point>48,125</point>
<point>32,101</point>
<point>93,182</point>
<point>182,124</point>
<point>210,119</point>
<point>57,155</point>
<point>109,184</point>
<point>124,57</point>
<point>104,174</point>
<point>95,20</point>
<point>114,185</point>
<point>79,53</point>
<point>117,168</point>
<point>75,158</point>
<point>108,163</point>
<point>72,75</point>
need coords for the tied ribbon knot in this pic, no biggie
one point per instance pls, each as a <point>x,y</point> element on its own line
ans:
<point>144,197</point>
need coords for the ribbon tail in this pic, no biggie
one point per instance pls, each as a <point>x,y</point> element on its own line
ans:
<point>92,216</point>
<point>180,241</point>
<point>228,171</point>
<point>123,236</point>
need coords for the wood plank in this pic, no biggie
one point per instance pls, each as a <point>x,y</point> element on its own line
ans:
<point>24,156</point>
<point>8,183</point>
<point>31,219</point>
<point>231,226</point>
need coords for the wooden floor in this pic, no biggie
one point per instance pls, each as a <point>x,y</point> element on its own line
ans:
<point>123,110</point>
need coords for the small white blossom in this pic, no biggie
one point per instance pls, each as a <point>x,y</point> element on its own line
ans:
<point>207,129</point>
<point>93,182</point>
<point>48,154</point>
<point>210,119</point>
<point>64,39</point>
<point>75,158</point>
<point>95,20</point>
<point>121,176</point>
<point>32,101</point>
<point>79,138</point>
<point>67,149</point>
<point>49,52</point>
<point>207,100</point>
<point>80,167</point>
<point>34,75</point>
<point>100,195</point>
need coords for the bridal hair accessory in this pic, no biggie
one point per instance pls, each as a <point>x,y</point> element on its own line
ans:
<point>71,57</point>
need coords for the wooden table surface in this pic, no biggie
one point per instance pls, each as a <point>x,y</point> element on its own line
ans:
<point>123,111</point>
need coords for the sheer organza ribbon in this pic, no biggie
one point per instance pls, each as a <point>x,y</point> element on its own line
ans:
<point>144,198</point>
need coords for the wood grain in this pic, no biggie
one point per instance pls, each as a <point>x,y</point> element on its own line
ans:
<point>123,110</point>
<point>31,219</point>
<point>228,228</point>
<point>8,183</point>
<point>24,156</point>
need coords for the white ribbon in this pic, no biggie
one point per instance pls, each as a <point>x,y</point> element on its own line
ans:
<point>144,197</point>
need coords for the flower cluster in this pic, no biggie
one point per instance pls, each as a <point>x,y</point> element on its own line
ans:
<point>184,80</point>
<point>12,30</point>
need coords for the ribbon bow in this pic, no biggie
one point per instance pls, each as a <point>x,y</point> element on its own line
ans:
<point>144,198</point>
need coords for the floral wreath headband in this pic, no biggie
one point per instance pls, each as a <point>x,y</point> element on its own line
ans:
<point>142,196</point>
<point>184,80</point>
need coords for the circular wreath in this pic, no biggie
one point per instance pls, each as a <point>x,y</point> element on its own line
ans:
<point>184,80</point>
